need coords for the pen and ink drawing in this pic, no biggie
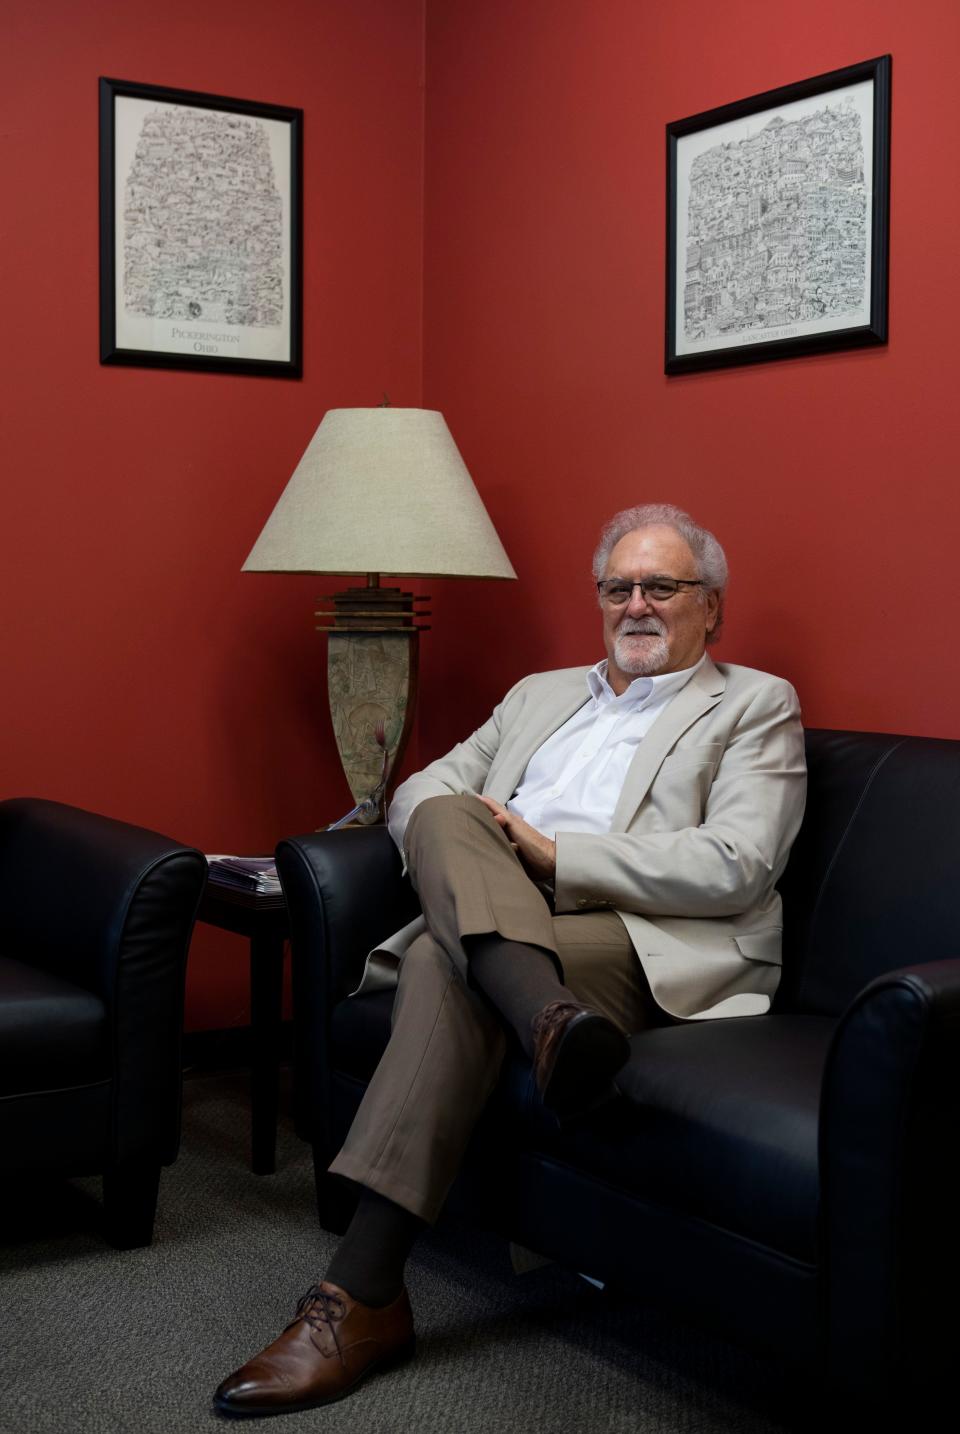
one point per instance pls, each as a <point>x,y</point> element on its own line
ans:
<point>777,227</point>
<point>203,221</point>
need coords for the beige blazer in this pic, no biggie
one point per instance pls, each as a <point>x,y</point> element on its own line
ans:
<point>710,806</point>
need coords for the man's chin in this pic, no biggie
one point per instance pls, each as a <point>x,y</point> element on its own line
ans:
<point>641,656</point>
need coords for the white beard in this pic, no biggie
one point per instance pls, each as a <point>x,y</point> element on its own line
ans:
<point>644,659</point>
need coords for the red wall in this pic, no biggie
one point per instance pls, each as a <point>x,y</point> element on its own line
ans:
<point>831,481</point>
<point>145,676</point>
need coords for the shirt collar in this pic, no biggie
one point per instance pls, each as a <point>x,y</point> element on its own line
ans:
<point>642,690</point>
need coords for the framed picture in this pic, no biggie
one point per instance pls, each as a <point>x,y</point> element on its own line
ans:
<point>778,213</point>
<point>200,231</point>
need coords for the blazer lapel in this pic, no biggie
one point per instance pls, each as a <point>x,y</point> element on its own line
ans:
<point>569,695</point>
<point>702,692</point>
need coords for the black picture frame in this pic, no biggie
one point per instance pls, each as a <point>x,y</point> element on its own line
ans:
<point>769,228</point>
<point>201,247</point>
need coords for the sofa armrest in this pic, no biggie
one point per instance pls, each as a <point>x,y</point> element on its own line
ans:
<point>890,1182</point>
<point>345,893</point>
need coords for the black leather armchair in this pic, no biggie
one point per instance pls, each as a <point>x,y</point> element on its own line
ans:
<point>95,923</point>
<point>792,1179</point>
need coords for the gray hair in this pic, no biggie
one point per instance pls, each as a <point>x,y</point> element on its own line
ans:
<point>708,555</point>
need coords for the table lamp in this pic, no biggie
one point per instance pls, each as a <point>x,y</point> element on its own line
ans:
<point>378,490</point>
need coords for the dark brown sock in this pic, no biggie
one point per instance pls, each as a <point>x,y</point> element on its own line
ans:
<point>369,1261</point>
<point>519,979</point>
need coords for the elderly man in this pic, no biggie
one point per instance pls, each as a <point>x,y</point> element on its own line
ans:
<point>600,856</point>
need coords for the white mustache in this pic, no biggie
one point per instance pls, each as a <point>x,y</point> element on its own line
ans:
<point>649,626</point>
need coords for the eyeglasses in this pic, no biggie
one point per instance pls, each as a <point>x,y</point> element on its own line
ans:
<point>618,591</point>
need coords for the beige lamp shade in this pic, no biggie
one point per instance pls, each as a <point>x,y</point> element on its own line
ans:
<point>381,490</point>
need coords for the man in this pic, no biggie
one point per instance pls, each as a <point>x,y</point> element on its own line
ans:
<point>600,856</point>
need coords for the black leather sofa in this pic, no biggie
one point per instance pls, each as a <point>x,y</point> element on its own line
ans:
<point>791,1179</point>
<point>95,924</point>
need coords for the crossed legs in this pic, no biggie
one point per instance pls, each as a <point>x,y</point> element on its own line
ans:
<point>448,1041</point>
<point>493,951</point>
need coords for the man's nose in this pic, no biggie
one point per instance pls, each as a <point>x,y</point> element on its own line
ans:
<point>638,605</point>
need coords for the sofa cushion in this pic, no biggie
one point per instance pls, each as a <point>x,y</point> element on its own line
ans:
<point>721,1124</point>
<point>52,1033</point>
<point>721,1119</point>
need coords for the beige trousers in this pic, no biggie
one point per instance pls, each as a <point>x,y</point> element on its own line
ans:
<point>447,1043</point>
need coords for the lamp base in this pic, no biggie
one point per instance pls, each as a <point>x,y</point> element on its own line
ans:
<point>372,652</point>
<point>371,678</point>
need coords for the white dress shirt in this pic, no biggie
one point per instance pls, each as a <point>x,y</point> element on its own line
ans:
<point>573,781</point>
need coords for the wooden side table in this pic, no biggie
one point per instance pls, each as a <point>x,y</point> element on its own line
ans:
<point>263,920</point>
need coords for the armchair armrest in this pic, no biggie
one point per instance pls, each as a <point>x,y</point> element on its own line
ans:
<point>89,898</point>
<point>890,1182</point>
<point>109,907</point>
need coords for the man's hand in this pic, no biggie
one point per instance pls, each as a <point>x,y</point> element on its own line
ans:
<point>537,852</point>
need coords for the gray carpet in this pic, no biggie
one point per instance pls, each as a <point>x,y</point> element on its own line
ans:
<point>98,1342</point>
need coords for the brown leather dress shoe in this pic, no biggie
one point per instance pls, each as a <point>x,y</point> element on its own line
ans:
<point>333,1343</point>
<point>576,1054</point>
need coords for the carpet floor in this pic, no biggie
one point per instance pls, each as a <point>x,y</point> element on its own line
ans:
<point>99,1342</point>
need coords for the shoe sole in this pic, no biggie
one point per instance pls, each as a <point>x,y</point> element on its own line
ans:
<point>261,1411</point>
<point>589,1054</point>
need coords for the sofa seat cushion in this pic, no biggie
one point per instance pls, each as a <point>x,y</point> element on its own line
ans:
<point>721,1124</point>
<point>720,1121</point>
<point>52,1033</point>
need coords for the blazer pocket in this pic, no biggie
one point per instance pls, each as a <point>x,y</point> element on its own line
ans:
<point>706,754</point>
<point>761,945</point>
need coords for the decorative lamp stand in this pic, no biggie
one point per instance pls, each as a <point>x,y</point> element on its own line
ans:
<point>372,670</point>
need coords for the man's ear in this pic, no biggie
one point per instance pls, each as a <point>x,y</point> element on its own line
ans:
<point>713,605</point>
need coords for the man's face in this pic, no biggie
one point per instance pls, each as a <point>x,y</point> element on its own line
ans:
<point>645,638</point>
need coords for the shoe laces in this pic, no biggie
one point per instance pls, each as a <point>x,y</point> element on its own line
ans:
<point>321,1309</point>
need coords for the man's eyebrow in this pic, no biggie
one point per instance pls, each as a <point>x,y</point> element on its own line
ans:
<point>654,577</point>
